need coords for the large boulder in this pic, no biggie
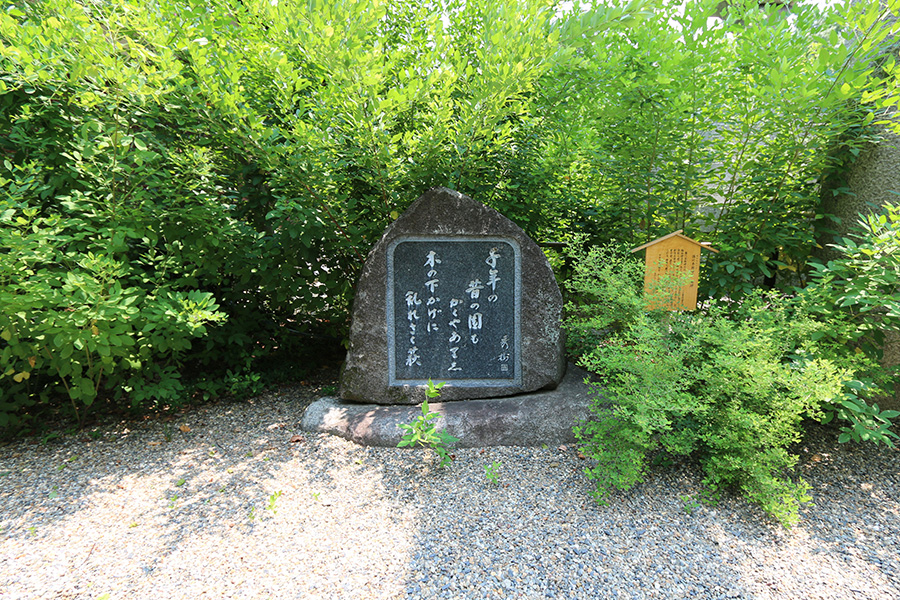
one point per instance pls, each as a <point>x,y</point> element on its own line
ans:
<point>453,292</point>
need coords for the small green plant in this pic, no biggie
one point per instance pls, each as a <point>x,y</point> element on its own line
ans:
<point>272,500</point>
<point>690,503</point>
<point>173,501</point>
<point>167,432</point>
<point>329,390</point>
<point>180,482</point>
<point>316,495</point>
<point>252,514</point>
<point>492,472</point>
<point>242,385</point>
<point>423,431</point>
<point>49,436</point>
<point>54,492</point>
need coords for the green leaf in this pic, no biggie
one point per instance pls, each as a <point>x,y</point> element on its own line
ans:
<point>87,390</point>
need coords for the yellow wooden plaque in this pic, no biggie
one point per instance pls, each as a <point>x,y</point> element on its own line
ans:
<point>671,271</point>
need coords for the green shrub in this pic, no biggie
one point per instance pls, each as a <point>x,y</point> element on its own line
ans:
<point>708,386</point>
<point>604,300</point>
<point>730,386</point>
<point>862,287</point>
<point>857,297</point>
<point>82,322</point>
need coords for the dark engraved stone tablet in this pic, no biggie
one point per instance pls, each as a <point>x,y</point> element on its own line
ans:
<point>453,310</point>
<point>437,259</point>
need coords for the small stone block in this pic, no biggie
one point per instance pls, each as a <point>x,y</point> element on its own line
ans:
<point>532,419</point>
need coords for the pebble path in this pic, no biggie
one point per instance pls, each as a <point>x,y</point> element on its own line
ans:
<point>233,501</point>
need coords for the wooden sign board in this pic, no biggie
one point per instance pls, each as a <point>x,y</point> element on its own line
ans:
<point>672,271</point>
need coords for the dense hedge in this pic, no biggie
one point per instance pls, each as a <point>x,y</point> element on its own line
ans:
<point>198,183</point>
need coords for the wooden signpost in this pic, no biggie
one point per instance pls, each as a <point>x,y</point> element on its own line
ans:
<point>672,270</point>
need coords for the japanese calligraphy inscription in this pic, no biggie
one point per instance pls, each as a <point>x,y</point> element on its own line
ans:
<point>457,293</point>
<point>453,310</point>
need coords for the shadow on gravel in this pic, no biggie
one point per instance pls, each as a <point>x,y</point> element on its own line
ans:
<point>172,477</point>
<point>182,467</point>
<point>542,535</point>
<point>250,513</point>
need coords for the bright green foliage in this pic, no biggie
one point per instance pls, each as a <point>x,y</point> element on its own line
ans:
<point>77,319</point>
<point>858,296</point>
<point>112,217</point>
<point>423,431</point>
<point>252,152</point>
<point>604,300</point>
<point>492,472</point>
<point>721,127</point>
<point>271,505</point>
<point>867,423</point>
<point>863,286</point>
<point>730,389</point>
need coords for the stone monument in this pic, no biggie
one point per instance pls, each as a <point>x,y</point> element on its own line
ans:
<point>453,292</point>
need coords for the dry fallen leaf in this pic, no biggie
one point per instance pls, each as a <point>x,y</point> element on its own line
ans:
<point>581,455</point>
<point>297,438</point>
<point>185,429</point>
<point>154,443</point>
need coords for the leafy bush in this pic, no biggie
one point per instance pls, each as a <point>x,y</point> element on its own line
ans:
<point>77,320</point>
<point>858,297</point>
<point>862,287</point>
<point>730,385</point>
<point>602,301</point>
<point>254,151</point>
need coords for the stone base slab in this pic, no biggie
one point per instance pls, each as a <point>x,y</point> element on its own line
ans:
<point>533,419</point>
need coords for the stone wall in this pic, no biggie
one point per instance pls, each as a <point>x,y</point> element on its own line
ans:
<point>870,181</point>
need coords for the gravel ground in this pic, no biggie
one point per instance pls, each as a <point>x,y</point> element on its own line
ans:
<point>190,508</point>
